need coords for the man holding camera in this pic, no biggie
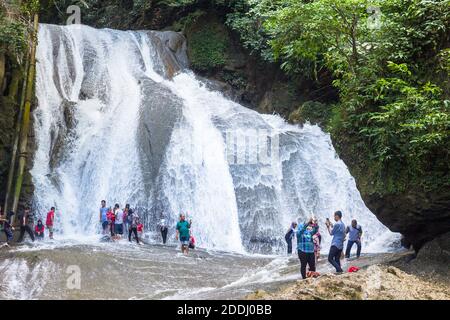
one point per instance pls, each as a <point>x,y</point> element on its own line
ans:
<point>337,243</point>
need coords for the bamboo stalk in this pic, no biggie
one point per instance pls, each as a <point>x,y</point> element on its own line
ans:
<point>16,137</point>
<point>2,70</point>
<point>14,85</point>
<point>26,115</point>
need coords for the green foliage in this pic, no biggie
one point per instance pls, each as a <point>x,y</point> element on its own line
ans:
<point>187,21</point>
<point>207,47</point>
<point>12,37</point>
<point>234,78</point>
<point>412,121</point>
<point>15,19</point>
<point>246,18</point>
<point>391,67</point>
<point>312,111</point>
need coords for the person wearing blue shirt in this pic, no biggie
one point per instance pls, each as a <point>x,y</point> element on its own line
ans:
<point>354,236</point>
<point>103,217</point>
<point>305,246</point>
<point>337,243</point>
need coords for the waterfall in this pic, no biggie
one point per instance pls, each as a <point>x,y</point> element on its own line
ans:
<point>121,118</point>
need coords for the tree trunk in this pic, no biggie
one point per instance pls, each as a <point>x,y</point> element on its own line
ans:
<point>2,71</point>
<point>26,115</point>
<point>12,164</point>
<point>14,84</point>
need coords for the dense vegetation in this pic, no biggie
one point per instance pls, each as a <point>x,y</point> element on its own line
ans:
<point>15,21</point>
<point>390,62</point>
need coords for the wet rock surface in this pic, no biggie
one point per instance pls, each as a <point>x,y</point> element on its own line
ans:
<point>419,216</point>
<point>395,279</point>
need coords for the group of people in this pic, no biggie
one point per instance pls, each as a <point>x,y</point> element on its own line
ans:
<point>309,241</point>
<point>116,220</point>
<point>28,224</point>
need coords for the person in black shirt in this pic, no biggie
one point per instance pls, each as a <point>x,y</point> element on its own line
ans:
<point>26,220</point>
<point>290,236</point>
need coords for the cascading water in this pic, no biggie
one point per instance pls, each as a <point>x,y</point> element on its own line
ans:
<point>112,124</point>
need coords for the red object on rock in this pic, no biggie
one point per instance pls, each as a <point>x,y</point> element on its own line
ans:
<point>353,269</point>
<point>312,274</point>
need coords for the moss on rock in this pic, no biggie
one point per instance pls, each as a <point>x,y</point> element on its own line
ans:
<point>208,41</point>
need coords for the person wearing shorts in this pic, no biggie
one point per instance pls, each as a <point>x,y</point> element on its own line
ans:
<point>118,221</point>
<point>104,217</point>
<point>183,233</point>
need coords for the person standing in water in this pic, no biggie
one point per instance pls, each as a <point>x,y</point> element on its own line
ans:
<point>104,217</point>
<point>163,228</point>
<point>183,233</point>
<point>26,220</point>
<point>118,223</point>
<point>50,221</point>
<point>133,222</point>
<point>111,219</point>
<point>7,226</point>
<point>337,243</point>
<point>355,234</point>
<point>305,246</point>
<point>289,237</point>
<point>125,217</point>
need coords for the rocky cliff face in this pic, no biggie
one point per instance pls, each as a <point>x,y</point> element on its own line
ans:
<point>418,215</point>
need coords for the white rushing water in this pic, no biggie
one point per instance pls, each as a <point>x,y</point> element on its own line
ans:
<point>110,125</point>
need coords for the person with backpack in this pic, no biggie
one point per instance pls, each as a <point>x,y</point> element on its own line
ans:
<point>354,232</point>
<point>337,243</point>
<point>163,228</point>
<point>26,221</point>
<point>50,221</point>
<point>289,237</point>
<point>133,222</point>
<point>305,246</point>
<point>39,230</point>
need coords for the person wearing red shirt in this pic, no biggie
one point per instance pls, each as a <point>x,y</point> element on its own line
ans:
<point>39,230</point>
<point>111,219</point>
<point>49,221</point>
